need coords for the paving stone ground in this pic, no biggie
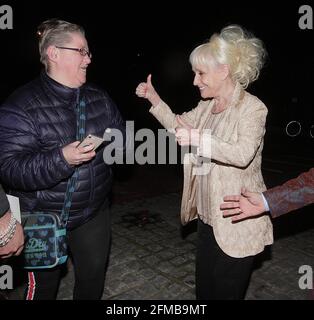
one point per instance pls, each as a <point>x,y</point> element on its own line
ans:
<point>153,258</point>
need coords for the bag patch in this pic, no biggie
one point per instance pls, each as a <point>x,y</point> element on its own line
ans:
<point>45,240</point>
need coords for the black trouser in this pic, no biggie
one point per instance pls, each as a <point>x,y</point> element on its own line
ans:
<point>219,276</point>
<point>89,245</point>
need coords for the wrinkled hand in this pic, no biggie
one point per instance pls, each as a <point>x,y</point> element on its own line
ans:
<point>147,91</point>
<point>77,155</point>
<point>186,134</point>
<point>246,205</point>
<point>16,244</point>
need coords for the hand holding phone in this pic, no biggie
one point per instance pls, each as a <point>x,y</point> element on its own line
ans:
<point>91,139</point>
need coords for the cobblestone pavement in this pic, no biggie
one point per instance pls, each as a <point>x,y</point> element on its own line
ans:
<point>153,257</point>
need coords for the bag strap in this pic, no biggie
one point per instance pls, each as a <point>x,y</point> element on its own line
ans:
<point>80,134</point>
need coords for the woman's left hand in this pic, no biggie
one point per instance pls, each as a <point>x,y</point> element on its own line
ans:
<point>185,134</point>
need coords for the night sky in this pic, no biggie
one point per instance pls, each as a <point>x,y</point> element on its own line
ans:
<point>130,40</point>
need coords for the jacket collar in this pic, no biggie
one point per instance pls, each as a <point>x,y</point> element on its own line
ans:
<point>60,91</point>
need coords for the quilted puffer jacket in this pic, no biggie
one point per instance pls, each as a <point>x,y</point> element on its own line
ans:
<point>36,121</point>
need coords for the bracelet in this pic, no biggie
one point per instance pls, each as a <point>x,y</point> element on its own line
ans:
<point>5,240</point>
<point>10,225</point>
<point>8,238</point>
<point>9,232</point>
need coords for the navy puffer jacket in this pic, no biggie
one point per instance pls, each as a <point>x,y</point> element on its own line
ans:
<point>36,121</point>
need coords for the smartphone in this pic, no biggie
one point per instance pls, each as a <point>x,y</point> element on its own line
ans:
<point>97,141</point>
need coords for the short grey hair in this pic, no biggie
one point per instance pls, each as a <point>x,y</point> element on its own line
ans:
<point>55,32</point>
<point>240,50</point>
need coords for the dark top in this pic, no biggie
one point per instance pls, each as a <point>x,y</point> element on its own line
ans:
<point>4,203</point>
<point>36,121</point>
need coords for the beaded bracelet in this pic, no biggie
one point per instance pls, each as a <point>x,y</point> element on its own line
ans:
<point>10,225</point>
<point>9,232</point>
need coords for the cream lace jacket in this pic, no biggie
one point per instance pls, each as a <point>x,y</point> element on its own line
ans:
<point>233,148</point>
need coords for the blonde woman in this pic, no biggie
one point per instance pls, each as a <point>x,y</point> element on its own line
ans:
<point>227,127</point>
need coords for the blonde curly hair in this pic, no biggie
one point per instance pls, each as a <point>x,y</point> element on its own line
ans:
<point>240,50</point>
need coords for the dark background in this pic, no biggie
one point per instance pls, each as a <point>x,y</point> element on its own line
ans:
<point>131,39</point>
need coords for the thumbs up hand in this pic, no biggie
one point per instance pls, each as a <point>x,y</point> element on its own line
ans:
<point>147,91</point>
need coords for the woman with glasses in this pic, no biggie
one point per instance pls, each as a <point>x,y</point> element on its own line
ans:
<point>40,153</point>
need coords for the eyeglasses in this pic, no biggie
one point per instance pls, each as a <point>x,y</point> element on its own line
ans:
<point>83,52</point>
